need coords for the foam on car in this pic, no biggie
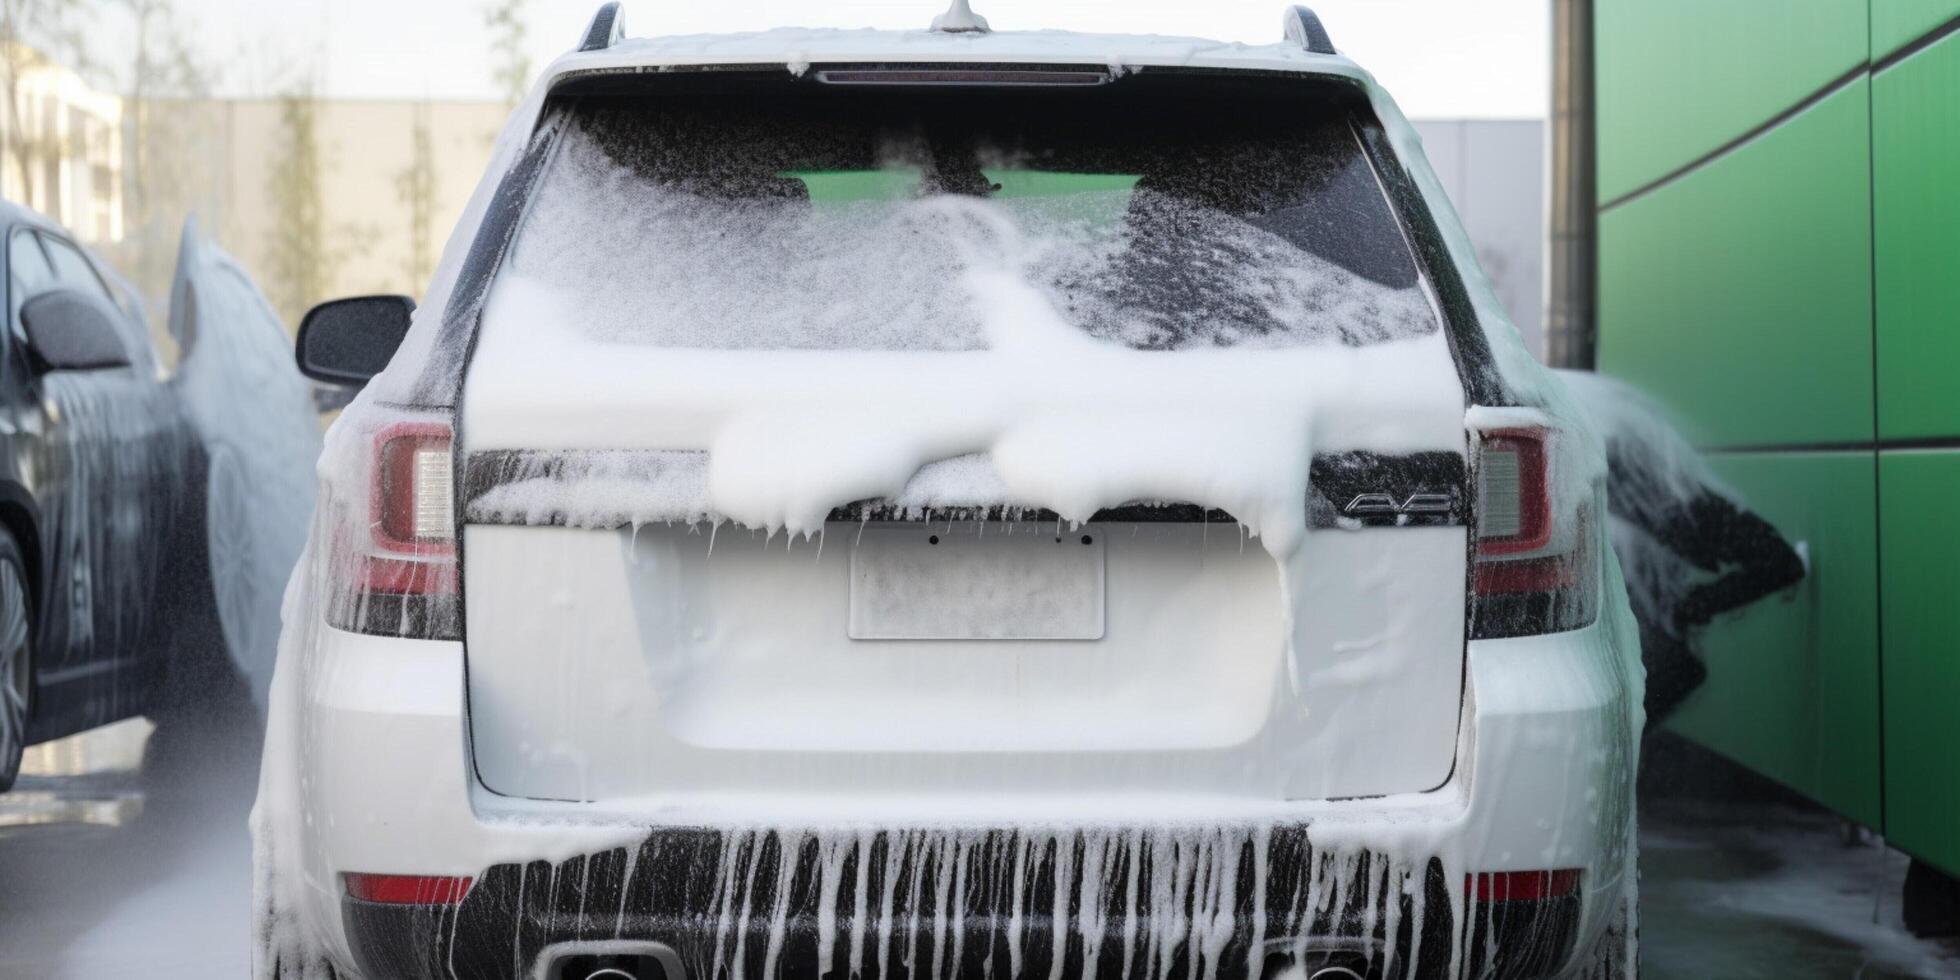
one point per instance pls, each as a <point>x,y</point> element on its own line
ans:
<point>1010,401</point>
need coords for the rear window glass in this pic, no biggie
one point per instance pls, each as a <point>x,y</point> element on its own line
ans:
<point>876,220</point>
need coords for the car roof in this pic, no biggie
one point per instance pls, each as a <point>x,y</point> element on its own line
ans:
<point>799,48</point>
<point>605,50</point>
<point>13,214</point>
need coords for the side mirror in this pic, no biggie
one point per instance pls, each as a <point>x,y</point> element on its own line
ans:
<point>69,330</point>
<point>348,341</point>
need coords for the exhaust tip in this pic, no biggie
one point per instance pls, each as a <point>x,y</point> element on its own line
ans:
<point>1317,969</point>
<point>609,960</point>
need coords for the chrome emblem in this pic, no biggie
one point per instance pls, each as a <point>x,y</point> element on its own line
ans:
<point>1381,503</point>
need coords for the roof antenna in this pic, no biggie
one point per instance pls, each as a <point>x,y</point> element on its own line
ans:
<point>1303,29</point>
<point>608,28</point>
<point>960,19</point>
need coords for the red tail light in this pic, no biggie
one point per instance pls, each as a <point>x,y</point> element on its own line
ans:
<point>413,512</point>
<point>412,487</point>
<point>1536,566</point>
<point>408,889</point>
<point>395,561</point>
<point>1515,516</point>
<point>1521,886</point>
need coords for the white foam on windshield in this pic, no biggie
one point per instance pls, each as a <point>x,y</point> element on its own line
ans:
<point>657,263</point>
<point>1068,422</point>
<point>822,353</point>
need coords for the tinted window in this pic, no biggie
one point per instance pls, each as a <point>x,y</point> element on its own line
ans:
<point>28,272</point>
<point>73,270</point>
<point>1156,216</point>
<point>28,266</point>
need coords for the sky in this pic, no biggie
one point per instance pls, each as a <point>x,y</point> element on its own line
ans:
<point>1440,58</point>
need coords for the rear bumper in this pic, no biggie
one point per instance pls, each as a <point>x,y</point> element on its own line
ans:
<point>1204,917</point>
<point>381,761</point>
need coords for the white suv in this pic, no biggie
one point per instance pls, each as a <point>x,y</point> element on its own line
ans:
<point>950,503</point>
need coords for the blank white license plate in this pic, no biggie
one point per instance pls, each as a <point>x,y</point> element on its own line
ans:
<point>926,582</point>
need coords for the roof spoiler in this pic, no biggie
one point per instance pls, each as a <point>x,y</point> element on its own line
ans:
<point>1303,29</point>
<point>608,27</point>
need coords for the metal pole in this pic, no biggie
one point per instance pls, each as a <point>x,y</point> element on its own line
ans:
<point>1572,282</point>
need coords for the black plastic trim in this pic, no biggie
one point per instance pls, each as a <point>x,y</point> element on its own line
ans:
<point>1133,513</point>
<point>1340,481</point>
<point>1337,481</point>
<point>1304,29</point>
<point>441,378</point>
<point>1476,367</point>
<point>668,888</point>
<point>606,27</point>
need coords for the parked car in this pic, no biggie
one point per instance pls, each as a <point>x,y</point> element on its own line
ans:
<point>258,437</point>
<point>106,598</point>
<point>950,503</point>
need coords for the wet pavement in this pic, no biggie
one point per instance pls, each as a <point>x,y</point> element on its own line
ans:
<point>1744,890</point>
<point>124,853</point>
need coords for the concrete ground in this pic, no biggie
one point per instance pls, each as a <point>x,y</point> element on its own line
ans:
<point>1743,892</point>
<point>126,855</point>
<point>1741,879</point>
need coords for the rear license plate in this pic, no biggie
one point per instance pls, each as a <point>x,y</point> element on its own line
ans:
<point>929,582</point>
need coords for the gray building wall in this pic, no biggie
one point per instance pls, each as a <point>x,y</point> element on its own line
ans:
<point>1494,172</point>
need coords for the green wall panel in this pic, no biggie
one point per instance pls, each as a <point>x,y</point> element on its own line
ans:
<point>1915,156</point>
<point>1677,79</point>
<point>1897,23</point>
<point>1793,680</point>
<point>1741,293</point>
<point>1921,554</point>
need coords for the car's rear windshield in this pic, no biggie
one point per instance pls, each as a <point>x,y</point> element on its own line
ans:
<point>803,216</point>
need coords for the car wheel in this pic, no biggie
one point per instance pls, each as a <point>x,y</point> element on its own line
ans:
<point>238,584</point>
<point>16,658</point>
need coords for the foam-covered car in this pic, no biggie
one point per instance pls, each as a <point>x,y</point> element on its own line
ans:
<point>148,517</point>
<point>950,503</point>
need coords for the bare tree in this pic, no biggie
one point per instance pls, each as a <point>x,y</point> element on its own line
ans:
<point>171,146</point>
<point>511,69</point>
<point>30,31</point>
<point>165,66</point>
<point>415,186</point>
<point>299,263</point>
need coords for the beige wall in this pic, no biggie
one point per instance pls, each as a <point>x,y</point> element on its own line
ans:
<point>365,148</point>
<point>216,158</point>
